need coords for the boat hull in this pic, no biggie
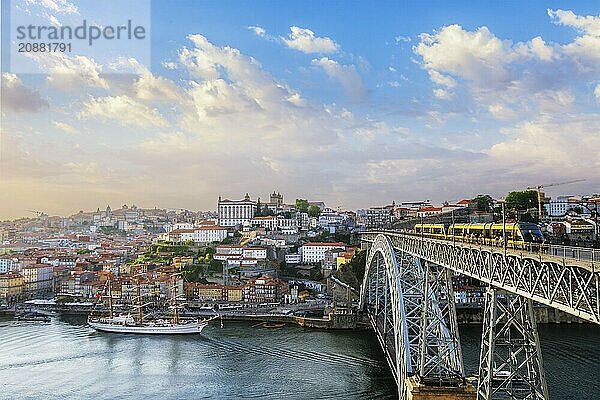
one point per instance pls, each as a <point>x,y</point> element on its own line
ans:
<point>150,330</point>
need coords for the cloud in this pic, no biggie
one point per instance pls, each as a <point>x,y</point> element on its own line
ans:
<point>405,39</point>
<point>589,24</point>
<point>512,80</point>
<point>345,74</point>
<point>597,92</point>
<point>70,73</point>
<point>59,6</point>
<point>304,40</point>
<point>501,111</point>
<point>566,145</point>
<point>442,94</point>
<point>18,97</point>
<point>63,126</point>
<point>258,31</point>
<point>122,109</point>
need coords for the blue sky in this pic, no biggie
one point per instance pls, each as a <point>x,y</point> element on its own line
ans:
<point>354,103</point>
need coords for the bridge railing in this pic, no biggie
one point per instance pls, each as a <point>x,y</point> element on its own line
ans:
<point>587,255</point>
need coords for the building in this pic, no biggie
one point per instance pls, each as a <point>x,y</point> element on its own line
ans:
<point>236,212</point>
<point>11,287</point>
<point>6,265</point>
<point>375,217</point>
<point>38,278</point>
<point>428,211</point>
<point>209,233</point>
<point>264,289</point>
<point>560,206</point>
<point>315,252</point>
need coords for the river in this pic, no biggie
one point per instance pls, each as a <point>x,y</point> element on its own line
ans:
<point>65,359</point>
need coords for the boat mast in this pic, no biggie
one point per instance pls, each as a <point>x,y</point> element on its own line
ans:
<point>139,301</point>
<point>110,303</point>
<point>174,300</point>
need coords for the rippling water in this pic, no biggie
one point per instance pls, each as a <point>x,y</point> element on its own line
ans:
<point>66,360</point>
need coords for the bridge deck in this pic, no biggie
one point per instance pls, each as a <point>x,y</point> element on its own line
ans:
<point>582,257</point>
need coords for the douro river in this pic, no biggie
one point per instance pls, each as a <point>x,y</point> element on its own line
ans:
<point>65,359</point>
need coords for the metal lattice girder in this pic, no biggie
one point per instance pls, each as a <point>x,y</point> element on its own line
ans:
<point>416,329</point>
<point>440,353</point>
<point>574,289</point>
<point>511,360</point>
<point>382,297</point>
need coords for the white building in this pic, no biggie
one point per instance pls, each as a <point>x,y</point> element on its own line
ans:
<point>293,259</point>
<point>315,252</point>
<point>259,253</point>
<point>6,265</point>
<point>560,206</point>
<point>209,233</point>
<point>236,212</point>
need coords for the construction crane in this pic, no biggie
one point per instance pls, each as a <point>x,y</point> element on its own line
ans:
<point>539,192</point>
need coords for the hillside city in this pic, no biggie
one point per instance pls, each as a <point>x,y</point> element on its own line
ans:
<point>249,253</point>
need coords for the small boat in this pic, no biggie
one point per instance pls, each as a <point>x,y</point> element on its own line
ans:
<point>130,324</point>
<point>32,316</point>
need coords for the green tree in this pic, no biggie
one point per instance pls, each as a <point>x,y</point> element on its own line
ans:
<point>522,201</point>
<point>314,211</point>
<point>483,202</point>
<point>524,204</point>
<point>302,205</point>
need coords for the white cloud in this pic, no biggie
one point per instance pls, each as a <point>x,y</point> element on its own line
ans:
<point>394,84</point>
<point>345,74</point>
<point>63,126</point>
<point>476,56</point>
<point>59,6</point>
<point>405,39</point>
<point>304,40</point>
<point>169,65</point>
<point>566,145</point>
<point>18,97</point>
<point>586,24</point>
<point>442,94</point>
<point>122,109</point>
<point>501,111</point>
<point>597,92</point>
<point>70,73</point>
<point>503,77</point>
<point>391,69</point>
<point>258,31</point>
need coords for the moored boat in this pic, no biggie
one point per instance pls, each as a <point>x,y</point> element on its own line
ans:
<point>140,325</point>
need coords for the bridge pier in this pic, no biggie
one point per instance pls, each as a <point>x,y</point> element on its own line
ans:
<point>510,365</point>
<point>419,391</point>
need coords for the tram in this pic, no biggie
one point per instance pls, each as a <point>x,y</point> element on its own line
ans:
<point>518,235</point>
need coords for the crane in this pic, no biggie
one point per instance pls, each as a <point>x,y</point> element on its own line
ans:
<point>37,213</point>
<point>539,193</point>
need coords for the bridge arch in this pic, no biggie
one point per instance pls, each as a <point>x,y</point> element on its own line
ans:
<point>382,293</point>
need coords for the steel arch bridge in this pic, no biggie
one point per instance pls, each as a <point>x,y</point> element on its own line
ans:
<point>408,296</point>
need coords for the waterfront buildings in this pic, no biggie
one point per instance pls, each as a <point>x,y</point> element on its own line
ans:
<point>11,287</point>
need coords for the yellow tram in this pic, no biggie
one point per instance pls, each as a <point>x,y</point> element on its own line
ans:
<point>518,235</point>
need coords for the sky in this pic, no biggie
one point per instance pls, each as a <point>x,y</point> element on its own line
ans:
<point>354,103</point>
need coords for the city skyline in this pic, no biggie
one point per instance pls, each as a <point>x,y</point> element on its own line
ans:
<point>351,105</point>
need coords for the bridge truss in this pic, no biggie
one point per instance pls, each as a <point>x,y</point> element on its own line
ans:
<point>407,292</point>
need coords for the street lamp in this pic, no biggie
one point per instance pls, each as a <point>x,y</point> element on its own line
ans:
<point>502,201</point>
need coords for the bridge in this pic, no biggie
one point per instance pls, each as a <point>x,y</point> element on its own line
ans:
<point>408,295</point>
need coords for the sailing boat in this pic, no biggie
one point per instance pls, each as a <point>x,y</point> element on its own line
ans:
<point>129,324</point>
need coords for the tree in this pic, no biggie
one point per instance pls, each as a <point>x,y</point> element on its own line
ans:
<point>302,205</point>
<point>483,202</point>
<point>314,211</point>
<point>522,201</point>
